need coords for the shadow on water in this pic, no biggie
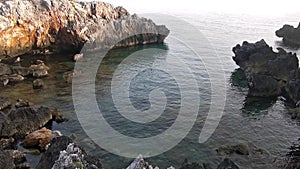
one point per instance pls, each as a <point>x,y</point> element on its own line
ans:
<point>253,106</point>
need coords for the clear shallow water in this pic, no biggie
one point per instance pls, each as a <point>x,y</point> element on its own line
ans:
<point>265,125</point>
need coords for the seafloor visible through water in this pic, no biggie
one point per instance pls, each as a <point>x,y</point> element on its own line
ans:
<point>265,125</point>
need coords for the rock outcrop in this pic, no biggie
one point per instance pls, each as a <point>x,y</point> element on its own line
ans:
<point>22,121</point>
<point>269,73</point>
<point>63,153</point>
<point>29,26</point>
<point>290,35</point>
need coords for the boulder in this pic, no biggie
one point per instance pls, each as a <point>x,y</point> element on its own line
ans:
<point>22,103</point>
<point>65,25</point>
<point>63,153</point>
<point>39,70</point>
<point>22,121</point>
<point>289,35</point>
<point>6,143</point>
<point>40,138</point>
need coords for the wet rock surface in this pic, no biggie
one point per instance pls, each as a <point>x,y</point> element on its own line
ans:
<point>227,164</point>
<point>269,73</point>
<point>34,26</point>
<point>290,35</point>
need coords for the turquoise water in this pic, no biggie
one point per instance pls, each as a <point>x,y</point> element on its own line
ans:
<point>265,124</point>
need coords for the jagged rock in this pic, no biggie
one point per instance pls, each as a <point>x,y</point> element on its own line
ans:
<point>38,84</point>
<point>140,163</point>
<point>4,103</point>
<point>18,157</point>
<point>241,149</point>
<point>227,164</point>
<point>77,57</point>
<point>289,35</point>
<point>267,72</point>
<point>58,116</point>
<point>65,25</point>
<point>23,121</point>
<point>23,71</point>
<point>293,157</point>
<point>63,153</point>
<point>22,103</point>
<point>39,69</point>
<point>6,143</point>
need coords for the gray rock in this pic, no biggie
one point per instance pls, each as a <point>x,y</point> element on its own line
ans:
<point>23,121</point>
<point>4,103</point>
<point>289,35</point>
<point>22,103</point>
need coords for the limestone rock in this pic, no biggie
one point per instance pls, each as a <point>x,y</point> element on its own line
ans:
<point>63,153</point>
<point>65,25</point>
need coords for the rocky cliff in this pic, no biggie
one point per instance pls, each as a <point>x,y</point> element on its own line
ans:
<point>269,73</point>
<point>289,35</point>
<point>28,26</point>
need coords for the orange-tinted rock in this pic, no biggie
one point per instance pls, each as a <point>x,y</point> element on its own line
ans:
<point>39,138</point>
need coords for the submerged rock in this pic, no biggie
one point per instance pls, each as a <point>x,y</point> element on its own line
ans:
<point>241,149</point>
<point>38,84</point>
<point>65,25</point>
<point>269,73</point>
<point>289,35</point>
<point>227,164</point>
<point>63,153</point>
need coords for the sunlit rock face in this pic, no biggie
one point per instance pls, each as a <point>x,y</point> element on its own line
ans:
<point>29,26</point>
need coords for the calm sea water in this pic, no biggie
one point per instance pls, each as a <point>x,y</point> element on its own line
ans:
<point>265,125</point>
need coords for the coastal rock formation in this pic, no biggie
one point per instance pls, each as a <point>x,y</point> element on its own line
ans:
<point>269,73</point>
<point>289,35</point>
<point>23,121</point>
<point>6,161</point>
<point>63,153</point>
<point>30,26</point>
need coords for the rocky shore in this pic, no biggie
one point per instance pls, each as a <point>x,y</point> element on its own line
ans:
<point>290,35</point>
<point>47,26</point>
